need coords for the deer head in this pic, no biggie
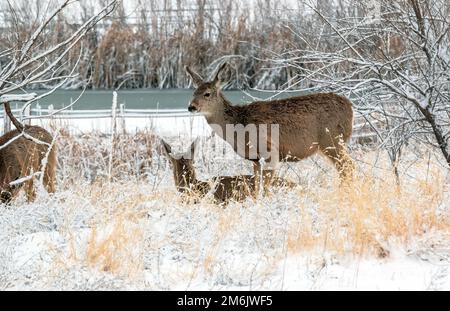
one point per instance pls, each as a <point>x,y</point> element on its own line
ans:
<point>182,165</point>
<point>208,95</point>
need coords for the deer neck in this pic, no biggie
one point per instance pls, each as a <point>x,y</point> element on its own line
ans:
<point>221,116</point>
<point>186,179</point>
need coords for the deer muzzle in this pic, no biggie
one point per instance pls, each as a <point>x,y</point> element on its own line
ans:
<point>191,108</point>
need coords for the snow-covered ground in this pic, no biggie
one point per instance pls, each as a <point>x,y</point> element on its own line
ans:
<point>52,245</point>
<point>139,234</point>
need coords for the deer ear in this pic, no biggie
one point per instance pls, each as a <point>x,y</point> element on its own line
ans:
<point>167,147</point>
<point>195,76</point>
<point>217,82</point>
<point>220,84</point>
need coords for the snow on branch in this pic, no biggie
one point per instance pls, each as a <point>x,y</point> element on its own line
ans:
<point>395,71</point>
<point>17,98</point>
<point>26,65</point>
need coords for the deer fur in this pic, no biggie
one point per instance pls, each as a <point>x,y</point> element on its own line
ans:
<point>22,157</point>
<point>227,187</point>
<point>308,124</point>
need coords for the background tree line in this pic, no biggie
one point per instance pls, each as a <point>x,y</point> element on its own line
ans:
<point>149,47</point>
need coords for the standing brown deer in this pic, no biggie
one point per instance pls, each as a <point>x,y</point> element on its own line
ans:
<point>22,154</point>
<point>307,124</point>
<point>227,187</point>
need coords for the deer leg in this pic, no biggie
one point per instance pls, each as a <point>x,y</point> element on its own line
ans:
<point>29,189</point>
<point>49,179</point>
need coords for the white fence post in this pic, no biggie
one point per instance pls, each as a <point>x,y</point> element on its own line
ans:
<point>6,123</point>
<point>122,118</point>
<point>26,114</point>
<point>113,133</point>
<point>38,110</point>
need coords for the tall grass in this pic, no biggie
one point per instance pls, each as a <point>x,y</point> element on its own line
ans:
<point>140,228</point>
<point>371,216</point>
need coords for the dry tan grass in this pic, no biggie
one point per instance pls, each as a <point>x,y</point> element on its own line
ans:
<point>372,212</point>
<point>117,249</point>
<point>115,238</point>
<point>369,217</point>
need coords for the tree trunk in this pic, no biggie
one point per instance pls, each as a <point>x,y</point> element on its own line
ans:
<point>438,133</point>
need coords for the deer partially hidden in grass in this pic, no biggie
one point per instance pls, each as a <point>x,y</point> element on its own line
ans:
<point>23,153</point>
<point>307,124</point>
<point>226,187</point>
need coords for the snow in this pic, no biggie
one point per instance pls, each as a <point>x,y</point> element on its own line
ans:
<point>17,97</point>
<point>176,249</point>
<point>368,274</point>
<point>151,240</point>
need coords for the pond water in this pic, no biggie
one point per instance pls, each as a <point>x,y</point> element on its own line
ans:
<point>142,98</point>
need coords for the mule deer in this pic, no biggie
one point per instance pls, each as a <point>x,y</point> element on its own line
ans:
<point>227,187</point>
<point>22,154</point>
<point>307,124</point>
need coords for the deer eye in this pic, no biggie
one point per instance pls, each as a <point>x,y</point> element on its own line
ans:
<point>207,94</point>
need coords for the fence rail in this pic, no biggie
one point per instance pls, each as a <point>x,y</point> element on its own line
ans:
<point>361,132</point>
<point>36,113</point>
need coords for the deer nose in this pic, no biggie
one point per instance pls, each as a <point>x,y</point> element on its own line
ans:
<point>191,108</point>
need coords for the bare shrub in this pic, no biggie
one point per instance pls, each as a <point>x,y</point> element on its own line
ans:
<point>87,155</point>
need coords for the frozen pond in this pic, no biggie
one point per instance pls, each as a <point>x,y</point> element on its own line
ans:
<point>142,98</point>
<point>168,102</point>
